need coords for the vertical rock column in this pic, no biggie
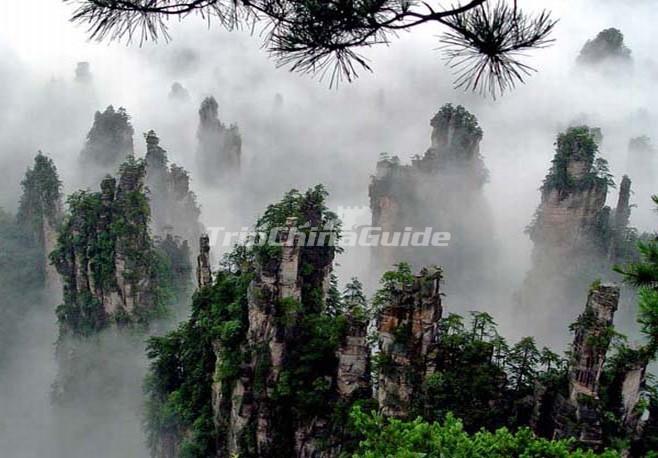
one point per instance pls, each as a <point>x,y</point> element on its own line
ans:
<point>579,415</point>
<point>174,210</point>
<point>204,275</point>
<point>592,340</point>
<point>620,220</point>
<point>245,405</point>
<point>430,192</point>
<point>576,237</point>
<point>407,333</point>
<point>40,214</point>
<point>623,210</point>
<point>353,359</point>
<point>631,390</point>
<point>219,147</point>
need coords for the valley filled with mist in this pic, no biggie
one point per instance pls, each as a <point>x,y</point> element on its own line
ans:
<point>145,312</point>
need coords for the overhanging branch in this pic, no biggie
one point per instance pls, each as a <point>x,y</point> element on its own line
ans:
<point>483,45</point>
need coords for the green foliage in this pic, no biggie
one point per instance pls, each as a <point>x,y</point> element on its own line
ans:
<point>477,375</point>
<point>183,365</point>
<point>239,259</point>
<point>644,276</point>
<point>480,378</point>
<point>304,387</point>
<point>110,139</point>
<point>645,272</point>
<point>19,258</point>
<point>452,324</point>
<point>608,44</point>
<point>78,234</point>
<point>311,213</point>
<point>601,171</point>
<point>334,304</point>
<point>460,117</point>
<point>522,361</point>
<point>175,266</point>
<point>467,382</point>
<point>84,317</point>
<point>460,131</point>
<point>648,316</point>
<point>289,310</point>
<point>576,167</point>
<point>393,282</point>
<point>551,362</point>
<point>212,345</point>
<point>622,360</point>
<point>387,437</point>
<point>41,198</point>
<point>100,231</point>
<point>647,445</point>
<point>600,335</point>
<point>308,207</point>
<point>577,144</point>
<point>355,300</point>
<point>483,326</point>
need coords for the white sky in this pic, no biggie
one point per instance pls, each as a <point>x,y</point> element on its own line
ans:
<point>39,33</point>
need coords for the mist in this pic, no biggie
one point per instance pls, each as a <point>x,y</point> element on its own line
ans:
<point>296,132</point>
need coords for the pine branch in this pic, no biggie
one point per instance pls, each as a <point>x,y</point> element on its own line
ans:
<point>484,45</point>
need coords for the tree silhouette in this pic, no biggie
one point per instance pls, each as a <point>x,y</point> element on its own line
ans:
<point>483,42</point>
<point>522,363</point>
<point>483,326</point>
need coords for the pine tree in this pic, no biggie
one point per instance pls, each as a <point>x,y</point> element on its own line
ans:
<point>644,276</point>
<point>522,363</point>
<point>483,326</point>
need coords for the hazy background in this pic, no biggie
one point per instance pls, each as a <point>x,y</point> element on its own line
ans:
<point>316,135</point>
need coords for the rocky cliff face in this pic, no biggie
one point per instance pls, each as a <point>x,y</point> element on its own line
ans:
<point>442,190</point>
<point>265,369</point>
<point>593,334</point>
<point>576,237</point>
<point>408,328</point>
<point>597,401</point>
<point>40,213</point>
<point>273,285</point>
<point>111,273</point>
<point>455,145</point>
<point>573,195</point>
<point>632,386</point>
<point>281,366</point>
<point>174,210</point>
<point>109,142</point>
<point>278,300</point>
<point>117,288</point>
<point>220,148</point>
<point>353,378</point>
<point>623,209</point>
<point>110,227</point>
<point>203,271</point>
